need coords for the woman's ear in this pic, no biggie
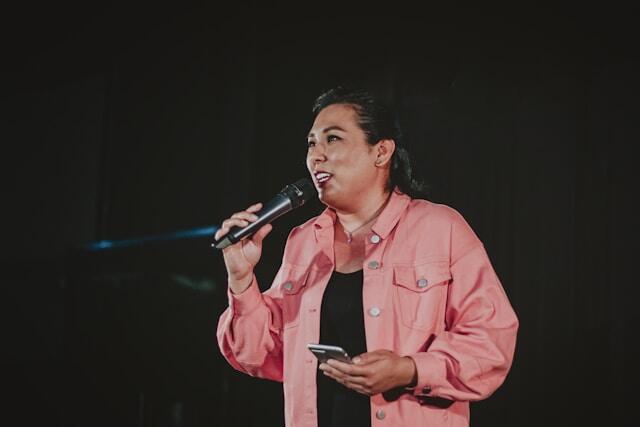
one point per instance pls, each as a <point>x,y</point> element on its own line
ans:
<point>385,149</point>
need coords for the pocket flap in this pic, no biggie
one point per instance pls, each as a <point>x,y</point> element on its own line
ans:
<point>420,278</point>
<point>293,280</point>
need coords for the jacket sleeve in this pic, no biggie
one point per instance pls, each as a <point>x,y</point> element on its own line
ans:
<point>471,358</point>
<point>250,331</point>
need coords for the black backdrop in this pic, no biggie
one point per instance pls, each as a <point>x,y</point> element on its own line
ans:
<point>121,121</point>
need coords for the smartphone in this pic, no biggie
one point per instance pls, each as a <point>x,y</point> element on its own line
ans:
<point>325,352</point>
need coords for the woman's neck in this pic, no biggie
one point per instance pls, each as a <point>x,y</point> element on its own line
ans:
<point>354,216</point>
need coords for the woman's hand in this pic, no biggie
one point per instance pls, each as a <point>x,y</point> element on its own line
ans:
<point>372,373</point>
<point>241,257</point>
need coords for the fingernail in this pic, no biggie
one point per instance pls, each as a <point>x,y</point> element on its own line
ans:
<point>357,360</point>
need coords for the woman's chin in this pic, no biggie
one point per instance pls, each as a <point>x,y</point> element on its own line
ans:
<point>333,200</point>
<point>322,196</point>
<point>327,197</point>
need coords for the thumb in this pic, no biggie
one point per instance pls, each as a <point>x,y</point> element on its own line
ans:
<point>259,236</point>
<point>369,357</point>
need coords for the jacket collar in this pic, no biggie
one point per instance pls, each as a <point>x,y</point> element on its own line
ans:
<point>387,220</point>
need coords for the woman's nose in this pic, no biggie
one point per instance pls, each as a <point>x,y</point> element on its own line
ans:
<point>318,158</point>
<point>317,154</point>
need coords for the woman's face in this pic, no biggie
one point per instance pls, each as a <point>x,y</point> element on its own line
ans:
<point>339,159</point>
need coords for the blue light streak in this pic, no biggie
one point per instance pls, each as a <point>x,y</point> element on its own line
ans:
<point>192,233</point>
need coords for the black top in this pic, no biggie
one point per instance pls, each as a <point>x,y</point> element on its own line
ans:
<point>342,324</point>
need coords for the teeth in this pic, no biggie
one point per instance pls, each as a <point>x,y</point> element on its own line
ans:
<point>323,176</point>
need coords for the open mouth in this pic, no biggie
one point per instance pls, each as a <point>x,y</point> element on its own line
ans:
<point>322,177</point>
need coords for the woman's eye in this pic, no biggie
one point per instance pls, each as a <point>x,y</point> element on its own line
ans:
<point>311,143</point>
<point>332,138</point>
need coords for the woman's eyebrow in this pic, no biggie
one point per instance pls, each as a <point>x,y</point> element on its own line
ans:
<point>327,129</point>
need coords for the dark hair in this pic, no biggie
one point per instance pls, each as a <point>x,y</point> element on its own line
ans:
<point>378,121</point>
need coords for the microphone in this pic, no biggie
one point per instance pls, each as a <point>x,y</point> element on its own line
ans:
<point>289,198</point>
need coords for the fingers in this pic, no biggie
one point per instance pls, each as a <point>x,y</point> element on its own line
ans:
<point>255,207</point>
<point>347,383</point>
<point>227,224</point>
<point>370,357</point>
<point>357,383</point>
<point>345,368</point>
<point>224,228</point>
<point>238,219</point>
<point>245,216</point>
<point>259,236</point>
<point>334,372</point>
<point>371,373</point>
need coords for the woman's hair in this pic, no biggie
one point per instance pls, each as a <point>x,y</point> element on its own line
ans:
<point>378,122</point>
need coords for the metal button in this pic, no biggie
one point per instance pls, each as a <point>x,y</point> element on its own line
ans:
<point>422,283</point>
<point>374,311</point>
<point>375,238</point>
<point>288,286</point>
<point>374,265</point>
<point>380,414</point>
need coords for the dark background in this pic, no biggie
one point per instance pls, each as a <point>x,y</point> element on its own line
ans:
<point>120,121</point>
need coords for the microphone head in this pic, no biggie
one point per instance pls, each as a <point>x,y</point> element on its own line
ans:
<point>299,192</point>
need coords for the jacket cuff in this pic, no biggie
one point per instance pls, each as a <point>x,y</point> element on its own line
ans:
<point>246,301</point>
<point>431,370</point>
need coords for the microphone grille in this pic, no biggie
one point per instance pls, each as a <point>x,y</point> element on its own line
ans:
<point>299,192</point>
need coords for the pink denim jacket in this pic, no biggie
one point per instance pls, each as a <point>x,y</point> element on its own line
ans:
<point>429,292</point>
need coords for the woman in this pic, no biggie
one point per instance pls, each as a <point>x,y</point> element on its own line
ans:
<point>402,284</point>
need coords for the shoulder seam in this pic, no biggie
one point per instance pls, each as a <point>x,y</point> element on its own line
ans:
<point>466,251</point>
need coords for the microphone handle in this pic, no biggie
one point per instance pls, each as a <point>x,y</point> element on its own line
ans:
<point>273,209</point>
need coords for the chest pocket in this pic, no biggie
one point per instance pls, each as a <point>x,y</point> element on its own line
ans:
<point>293,281</point>
<point>421,294</point>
